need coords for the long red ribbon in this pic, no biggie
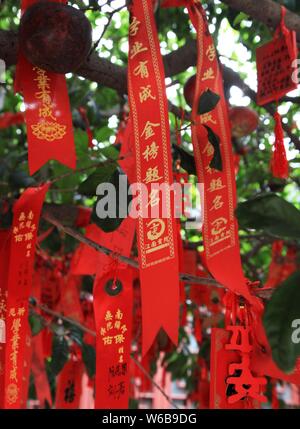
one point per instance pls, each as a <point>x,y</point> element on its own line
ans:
<point>157,245</point>
<point>21,259</point>
<point>113,318</point>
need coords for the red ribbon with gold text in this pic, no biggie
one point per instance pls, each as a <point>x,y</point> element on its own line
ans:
<point>113,318</point>
<point>158,259</point>
<point>47,115</point>
<point>220,229</point>
<point>26,214</point>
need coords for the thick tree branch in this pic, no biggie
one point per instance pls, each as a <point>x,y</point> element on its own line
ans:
<point>266,11</point>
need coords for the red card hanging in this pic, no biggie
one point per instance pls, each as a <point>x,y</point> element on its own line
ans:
<point>69,381</point>
<point>47,112</point>
<point>26,213</point>
<point>113,318</point>
<point>275,64</point>
<point>233,386</point>
<point>275,71</point>
<point>157,244</point>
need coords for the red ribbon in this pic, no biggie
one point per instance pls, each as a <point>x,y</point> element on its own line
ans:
<point>22,248</point>
<point>113,318</point>
<point>158,259</point>
<point>220,229</point>
<point>69,383</point>
<point>4,262</point>
<point>47,115</point>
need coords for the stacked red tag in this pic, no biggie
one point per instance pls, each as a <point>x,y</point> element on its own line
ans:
<point>276,77</point>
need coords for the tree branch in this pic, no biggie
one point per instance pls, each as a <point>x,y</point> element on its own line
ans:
<point>266,11</point>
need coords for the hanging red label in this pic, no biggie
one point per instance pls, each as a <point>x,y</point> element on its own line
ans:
<point>22,248</point>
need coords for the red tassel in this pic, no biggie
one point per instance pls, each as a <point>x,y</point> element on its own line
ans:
<point>279,163</point>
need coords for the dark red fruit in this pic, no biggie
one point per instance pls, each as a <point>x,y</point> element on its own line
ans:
<point>243,121</point>
<point>189,90</point>
<point>55,37</point>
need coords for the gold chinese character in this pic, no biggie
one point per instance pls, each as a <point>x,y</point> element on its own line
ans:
<point>207,117</point>
<point>134,27</point>
<point>216,184</point>
<point>123,329</point>
<point>28,236</point>
<point>107,340</point>
<point>119,315</point>
<point>22,217</point>
<point>153,198</point>
<point>109,326</point>
<point>208,74</point>
<point>209,149</point>
<point>145,93</point>
<point>218,226</point>
<point>117,324</point>
<point>46,112</point>
<point>156,228</point>
<point>102,331</point>
<point>141,70</point>
<point>151,151</point>
<point>217,202</point>
<point>30,215</point>
<point>119,339</point>
<point>21,311</point>
<point>108,316</point>
<point>211,52</point>
<point>121,350</point>
<point>137,48</point>
<point>148,130</point>
<point>152,175</point>
<point>18,238</point>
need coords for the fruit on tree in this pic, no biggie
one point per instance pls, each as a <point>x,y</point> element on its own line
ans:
<point>55,37</point>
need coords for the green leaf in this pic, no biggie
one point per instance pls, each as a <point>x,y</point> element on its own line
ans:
<point>76,334</point>
<point>239,18</point>
<point>110,224</point>
<point>60,353</point>
<point>36,323</point>
<point>207,101</point>
<point>20,179</point>
<point>187,160</point>
<point>101,175</point>
<point>89,359</point>
<point>281,310</point>
<point>271,214</point>
<point>216,161</point>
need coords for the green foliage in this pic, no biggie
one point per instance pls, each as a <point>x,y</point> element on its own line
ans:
<point>208,100</point>
<point>89,359</point>
<point>281,310</point>
<point>271,214</point>
<point>60,353</point>
<point>36,322</point>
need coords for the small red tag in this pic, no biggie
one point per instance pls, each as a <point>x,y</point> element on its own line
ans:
<point>275,67</point>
